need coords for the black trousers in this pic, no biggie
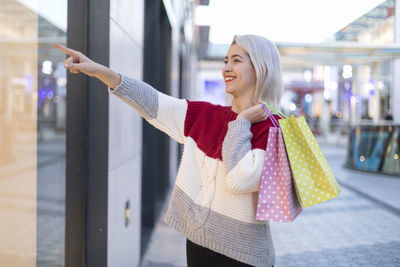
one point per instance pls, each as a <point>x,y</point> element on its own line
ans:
<point>198,256</point>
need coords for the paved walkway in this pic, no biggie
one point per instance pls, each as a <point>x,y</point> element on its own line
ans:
<point>360,228</point>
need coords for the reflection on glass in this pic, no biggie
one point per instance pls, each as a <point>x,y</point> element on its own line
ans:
<point>370,148</point>
<point>392,157</point>
<point>375,148</point>
<point>32,133</point>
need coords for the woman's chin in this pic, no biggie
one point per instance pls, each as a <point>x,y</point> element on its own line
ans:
<point>229,90</point>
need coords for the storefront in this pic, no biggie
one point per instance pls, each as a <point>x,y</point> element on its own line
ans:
<point>32,133</point>
<point>76,164</point>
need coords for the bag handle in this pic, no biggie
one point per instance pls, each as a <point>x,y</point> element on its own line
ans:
<point>274,122</point>
<point>280,114</point>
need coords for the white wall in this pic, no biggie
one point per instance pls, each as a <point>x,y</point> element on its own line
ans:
<point>125,136</point>
<point>125,130</point>
<point>395,93</point>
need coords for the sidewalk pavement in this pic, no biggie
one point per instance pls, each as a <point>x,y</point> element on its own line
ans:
<point>359,228</point>
<point>380,188</point>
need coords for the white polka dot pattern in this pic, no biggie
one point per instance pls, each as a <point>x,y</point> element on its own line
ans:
<point>313,178</point>
<point>277,200</point>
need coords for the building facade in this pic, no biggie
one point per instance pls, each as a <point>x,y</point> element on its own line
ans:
<point>82,175</point>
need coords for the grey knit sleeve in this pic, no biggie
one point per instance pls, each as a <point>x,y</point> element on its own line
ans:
<point>242,163</point>
<point>164,112</point>
<point>139,95</point>
<point>236,143</point>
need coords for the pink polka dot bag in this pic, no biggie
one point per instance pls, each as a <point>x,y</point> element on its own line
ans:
<point>277,200</point>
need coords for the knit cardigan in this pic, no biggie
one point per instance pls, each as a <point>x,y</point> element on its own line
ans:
<point>214,199</point>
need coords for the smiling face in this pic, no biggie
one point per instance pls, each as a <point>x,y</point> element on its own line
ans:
<point>238,72</point>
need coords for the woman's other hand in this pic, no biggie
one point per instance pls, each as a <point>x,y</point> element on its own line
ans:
<point>253,114</point>
<point>78,62</point>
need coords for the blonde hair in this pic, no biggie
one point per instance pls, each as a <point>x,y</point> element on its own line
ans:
<point>265,58</point>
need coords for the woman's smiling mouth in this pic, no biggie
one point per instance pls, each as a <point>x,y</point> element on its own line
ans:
<point>229,78</point>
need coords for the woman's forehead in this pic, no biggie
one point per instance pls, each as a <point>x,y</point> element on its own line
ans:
<point>236,50</point>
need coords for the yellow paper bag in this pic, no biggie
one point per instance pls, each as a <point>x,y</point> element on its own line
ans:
<point>313,178</point>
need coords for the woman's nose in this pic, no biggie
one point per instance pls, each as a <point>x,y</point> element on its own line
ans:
<point>227,67</point>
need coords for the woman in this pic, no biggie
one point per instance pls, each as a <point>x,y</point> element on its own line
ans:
<point>214,200</point>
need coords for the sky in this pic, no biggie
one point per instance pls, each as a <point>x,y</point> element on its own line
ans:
<point>52,10</point>
<point>308,21</point>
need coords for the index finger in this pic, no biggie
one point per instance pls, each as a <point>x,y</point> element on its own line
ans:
<point>66,50</point>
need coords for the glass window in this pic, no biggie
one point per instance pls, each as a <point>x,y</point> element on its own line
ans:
<point>32,133</point>
<point>391,162</point>
<point>375,148</point>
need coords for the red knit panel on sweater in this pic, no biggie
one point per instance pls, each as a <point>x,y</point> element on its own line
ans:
<point>207,125</point>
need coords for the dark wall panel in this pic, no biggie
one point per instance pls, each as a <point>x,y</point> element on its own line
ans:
<point>156,153</point>
<point>87,139</point>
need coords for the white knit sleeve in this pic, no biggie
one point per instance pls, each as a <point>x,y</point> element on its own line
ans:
<point>242,163</point>
<point>164,112</point>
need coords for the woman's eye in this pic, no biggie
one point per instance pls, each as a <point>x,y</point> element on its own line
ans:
<point>235,60</point>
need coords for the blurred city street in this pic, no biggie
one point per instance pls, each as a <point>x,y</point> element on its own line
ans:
<point>87,167</point>
<point>359,228</point>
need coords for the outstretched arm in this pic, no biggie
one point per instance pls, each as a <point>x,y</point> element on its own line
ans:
<point>164,112</point>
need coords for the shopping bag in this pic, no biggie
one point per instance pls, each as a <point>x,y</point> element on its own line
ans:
<point>313,178</point>
<point>277,199</point>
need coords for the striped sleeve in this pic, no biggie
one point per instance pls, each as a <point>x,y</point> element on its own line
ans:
<point>243,153</point>
<point>164,112</point>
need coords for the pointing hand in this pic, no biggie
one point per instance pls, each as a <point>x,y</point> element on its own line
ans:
<point>78,62</point>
